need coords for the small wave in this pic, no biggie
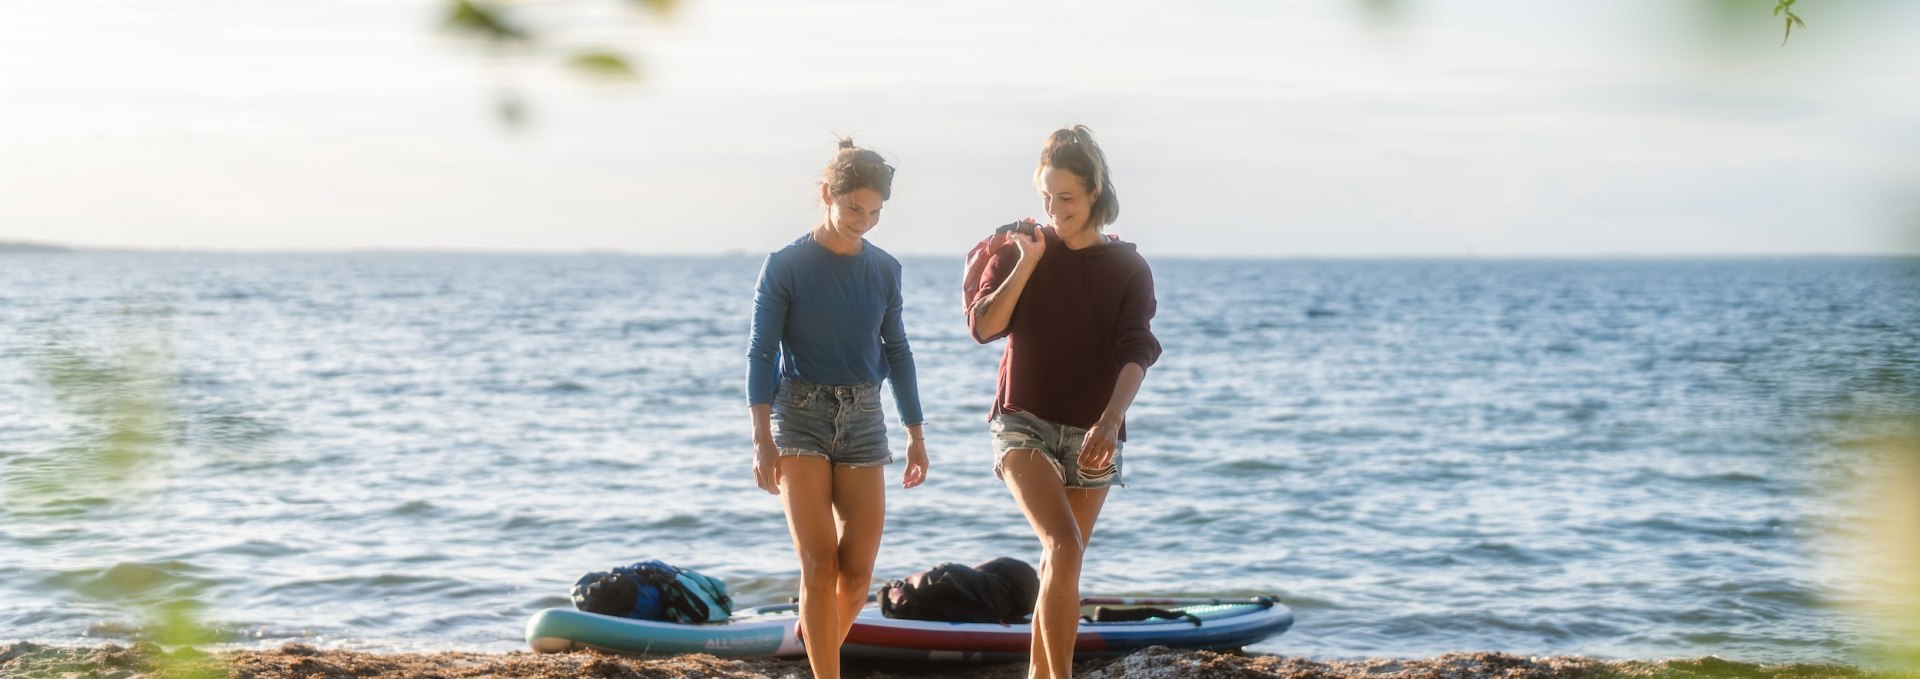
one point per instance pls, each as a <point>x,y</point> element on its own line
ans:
<point>233,430</point>
<point>415,508</point>
<point>135,581</point>
<point>522,522</point>
<point>1258,464</point>
<point>59,508</point>
<point>678,522</point>
<point>259,549</point>
<point>1561,348</point>
<point>112,629</point>
<point>1503,554</point>
<point>361,587</point>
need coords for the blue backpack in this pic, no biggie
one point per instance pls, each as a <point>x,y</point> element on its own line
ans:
<point>652,590</point>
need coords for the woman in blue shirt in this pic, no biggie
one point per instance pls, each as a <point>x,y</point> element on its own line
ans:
<point>826,331</point>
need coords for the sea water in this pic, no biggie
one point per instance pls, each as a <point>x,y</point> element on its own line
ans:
<point>1635,458</point>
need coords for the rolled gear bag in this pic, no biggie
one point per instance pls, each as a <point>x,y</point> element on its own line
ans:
<point>972,287</point>
<point>1002,590</point>
<point>654,590</point>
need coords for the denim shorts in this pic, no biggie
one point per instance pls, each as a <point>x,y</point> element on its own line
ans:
<point>1059,444</point>
<point>842,424</point>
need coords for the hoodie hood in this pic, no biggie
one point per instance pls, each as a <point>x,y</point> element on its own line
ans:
<point>1113,246</point>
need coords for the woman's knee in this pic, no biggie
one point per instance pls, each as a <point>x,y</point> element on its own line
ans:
<point>855,569</point>
<point>819,566</point>
<point>1062,549</point>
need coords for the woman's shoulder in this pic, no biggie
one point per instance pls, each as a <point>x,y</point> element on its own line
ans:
<point>1121,252</point>
<point>796,253</point>
<point>796,247</point>
<point>881,256</point>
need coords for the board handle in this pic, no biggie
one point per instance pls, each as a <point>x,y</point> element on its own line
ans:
<point>1263,601</point>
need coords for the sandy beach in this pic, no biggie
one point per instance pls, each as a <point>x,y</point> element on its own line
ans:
<point>26,659</point>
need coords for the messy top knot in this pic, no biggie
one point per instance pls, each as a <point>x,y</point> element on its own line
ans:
<point>854,168</point>
<point>1074,150</point>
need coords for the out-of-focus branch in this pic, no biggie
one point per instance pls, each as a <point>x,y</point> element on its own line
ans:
<point>1786,7</point>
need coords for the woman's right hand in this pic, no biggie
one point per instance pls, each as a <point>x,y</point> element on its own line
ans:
<point>766,466</point>
<point>1032,244</point>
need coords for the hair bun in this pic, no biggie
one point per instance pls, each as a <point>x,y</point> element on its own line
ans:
<point>854,168</point>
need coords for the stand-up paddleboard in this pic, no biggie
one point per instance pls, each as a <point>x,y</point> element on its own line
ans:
<point>755,632</point>
<point>769,631</point>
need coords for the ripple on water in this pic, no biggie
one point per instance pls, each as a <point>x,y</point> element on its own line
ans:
<point>364,587</point>
<point>260,549</point>
<point>134,581</point>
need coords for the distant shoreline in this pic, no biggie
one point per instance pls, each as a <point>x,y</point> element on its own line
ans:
<point>16,246</point>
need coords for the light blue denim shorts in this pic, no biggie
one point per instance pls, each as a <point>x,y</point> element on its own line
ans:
<point>842,424</point>
<point>1058,443</point>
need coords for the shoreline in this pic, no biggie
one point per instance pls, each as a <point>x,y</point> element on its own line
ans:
<point>300,660</point>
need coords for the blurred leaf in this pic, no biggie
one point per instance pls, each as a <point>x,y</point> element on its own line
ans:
<point>603,63</point>
<point>1384,14</point>
<point>177,623</point>
<point>661,7</point>
<point>484,20</point>
<point>1786,6</point>
<point>492,20</point>
<point>512,110</point>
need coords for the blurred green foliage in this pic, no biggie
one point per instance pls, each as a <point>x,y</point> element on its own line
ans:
<point>1729,18</point>
<point>603,63</point>
<point>118,409</point>
<point>116,404</point>
<point>484,20</point>
<point>1890,537</point>
<point>498,24</point>
<point>1384,13</point>
<point>1786,7</point>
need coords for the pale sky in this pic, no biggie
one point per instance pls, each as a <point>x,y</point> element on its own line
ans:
<point>1235,128</point>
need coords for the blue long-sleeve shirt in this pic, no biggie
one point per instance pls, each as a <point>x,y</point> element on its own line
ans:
<point>830,319</point>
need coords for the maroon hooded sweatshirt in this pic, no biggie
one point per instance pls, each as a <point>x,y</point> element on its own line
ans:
<point>1083,314</point>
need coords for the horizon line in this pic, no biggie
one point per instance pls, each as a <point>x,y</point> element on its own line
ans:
<point>34,247</point>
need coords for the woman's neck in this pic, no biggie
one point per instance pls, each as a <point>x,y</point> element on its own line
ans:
<point>836,242</point>
<point>1082,239</point>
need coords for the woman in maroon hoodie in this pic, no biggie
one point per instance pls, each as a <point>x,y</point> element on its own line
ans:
<point>1075,305</point>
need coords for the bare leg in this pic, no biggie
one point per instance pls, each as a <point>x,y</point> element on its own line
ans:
<point>806,491</point>
<point>860,502</point>
<point>1057,516</point>
<point>1086,503</point>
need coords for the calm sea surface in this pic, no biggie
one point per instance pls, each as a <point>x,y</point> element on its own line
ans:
<point>417,451</point>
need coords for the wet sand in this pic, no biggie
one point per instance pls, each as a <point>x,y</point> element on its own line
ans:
<point>296,660</point>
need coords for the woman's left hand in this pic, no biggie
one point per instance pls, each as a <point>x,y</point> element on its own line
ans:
<point>1096,450</point>
<point>916,472</point>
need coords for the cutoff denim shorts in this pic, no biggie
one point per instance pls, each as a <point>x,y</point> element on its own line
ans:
<point>842,424</point>
<point>1058,443</point>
